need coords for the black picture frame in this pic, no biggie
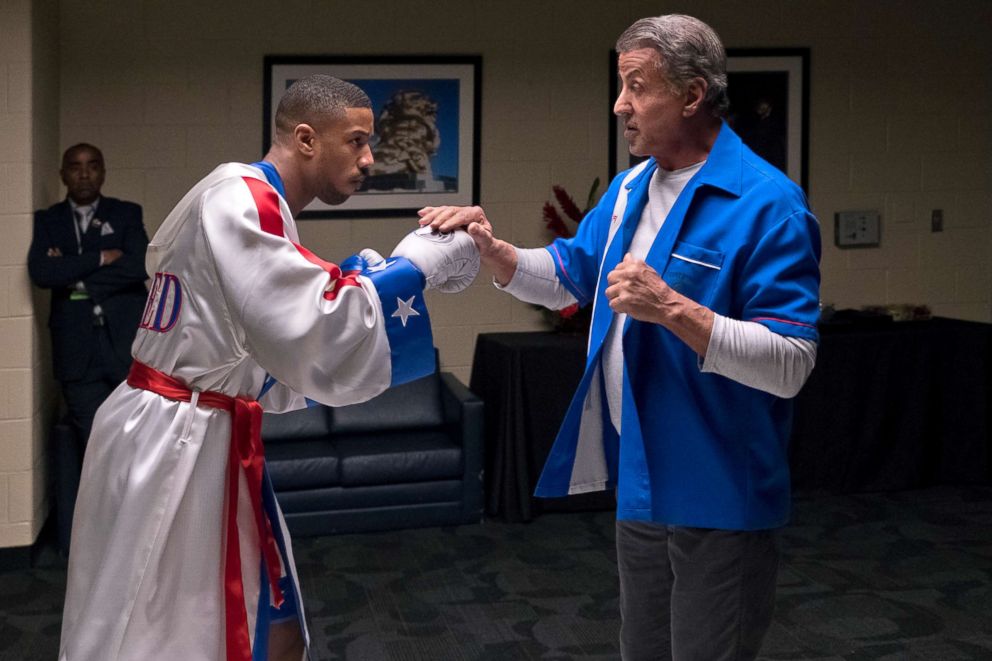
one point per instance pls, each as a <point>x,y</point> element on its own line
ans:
<point>443,96</point>
<point>778,76</point>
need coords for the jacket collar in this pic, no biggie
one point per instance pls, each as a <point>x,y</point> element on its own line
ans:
<point>723,168</point>
<point>95,205</point>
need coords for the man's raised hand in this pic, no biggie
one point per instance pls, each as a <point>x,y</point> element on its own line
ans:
<point>447,219</point>
<point>497,255</point>
<point>449,261</point>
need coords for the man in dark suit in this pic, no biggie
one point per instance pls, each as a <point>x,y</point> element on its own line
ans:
<point>90,251</point>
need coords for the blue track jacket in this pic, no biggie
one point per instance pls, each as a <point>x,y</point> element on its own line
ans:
<point>696,449</point>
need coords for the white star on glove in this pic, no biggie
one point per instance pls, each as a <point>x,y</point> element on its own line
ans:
<point>404,309</point>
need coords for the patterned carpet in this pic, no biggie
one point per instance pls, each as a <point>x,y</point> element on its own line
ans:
<point>880,576</point>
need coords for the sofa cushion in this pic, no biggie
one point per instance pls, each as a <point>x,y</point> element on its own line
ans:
<point>416,404</point>
<point>305,423</point>
<point>407,456</point>
<point>309,464</point>
<point>363,498</point>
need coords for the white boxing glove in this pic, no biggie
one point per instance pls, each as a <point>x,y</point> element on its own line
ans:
<point>448,261</point>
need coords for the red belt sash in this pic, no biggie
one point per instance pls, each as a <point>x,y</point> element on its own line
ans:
<point>246,451</point>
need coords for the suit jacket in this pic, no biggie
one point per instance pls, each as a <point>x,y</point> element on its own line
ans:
<point>118,288</point>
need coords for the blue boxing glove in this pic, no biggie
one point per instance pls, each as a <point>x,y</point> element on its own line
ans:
<point>359,263</point>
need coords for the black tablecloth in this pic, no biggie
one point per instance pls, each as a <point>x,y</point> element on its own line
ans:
<point>897,406</point>
<point>889,407</point>
<point>526,381</point>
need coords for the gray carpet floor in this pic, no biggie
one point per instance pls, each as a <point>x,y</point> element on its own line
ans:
<point>876,576</point>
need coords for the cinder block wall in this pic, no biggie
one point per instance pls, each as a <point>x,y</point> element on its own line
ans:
<point>898,123</point>
<point>900,95</point>
<point>29,120</point>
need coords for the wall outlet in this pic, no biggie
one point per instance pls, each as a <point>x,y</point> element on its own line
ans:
<point>937,220</point>
<point>857,229</point>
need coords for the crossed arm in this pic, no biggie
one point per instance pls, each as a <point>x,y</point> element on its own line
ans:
<point>102,273</point>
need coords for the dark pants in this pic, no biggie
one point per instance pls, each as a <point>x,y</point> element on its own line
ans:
<point>83,396</point>
<point>694,594</point>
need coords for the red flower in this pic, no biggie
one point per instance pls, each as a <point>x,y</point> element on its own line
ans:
<point>554,221</point>
<point>568,205</point>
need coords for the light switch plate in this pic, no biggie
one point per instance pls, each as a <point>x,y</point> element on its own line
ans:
<point>857,229</point>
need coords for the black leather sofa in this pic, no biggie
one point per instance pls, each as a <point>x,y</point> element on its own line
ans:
<point>411,457</point>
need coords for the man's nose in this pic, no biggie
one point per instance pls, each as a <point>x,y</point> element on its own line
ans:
<point>621,106</point>
<point>366,159</point>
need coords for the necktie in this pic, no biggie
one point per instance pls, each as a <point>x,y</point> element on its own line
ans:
<point>83,218</point>
<point>83,214</point>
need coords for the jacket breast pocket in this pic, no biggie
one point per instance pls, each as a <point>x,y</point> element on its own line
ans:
<point>693,271</point>
<point>110,240</point>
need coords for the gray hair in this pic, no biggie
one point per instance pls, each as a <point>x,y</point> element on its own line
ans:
<point>689,49</point>
<point>316,98</point>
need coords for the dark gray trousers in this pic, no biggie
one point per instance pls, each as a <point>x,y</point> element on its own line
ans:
<point>694,594</point>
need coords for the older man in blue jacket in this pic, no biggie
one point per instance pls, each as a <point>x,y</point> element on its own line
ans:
<point>702,266</point>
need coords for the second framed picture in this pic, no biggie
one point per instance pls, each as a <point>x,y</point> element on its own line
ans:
<point>426,142</point>
<point>769,108</point>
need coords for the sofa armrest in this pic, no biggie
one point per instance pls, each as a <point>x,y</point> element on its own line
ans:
<point>464,415</point>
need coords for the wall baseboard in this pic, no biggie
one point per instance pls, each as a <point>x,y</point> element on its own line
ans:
<point>16,558</point>
<point>43,552</point>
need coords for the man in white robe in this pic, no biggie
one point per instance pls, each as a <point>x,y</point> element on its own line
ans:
<point>178,548</point>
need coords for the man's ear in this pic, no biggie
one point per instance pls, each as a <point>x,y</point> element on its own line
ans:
<point>695,93</point>
<point>304,139</point>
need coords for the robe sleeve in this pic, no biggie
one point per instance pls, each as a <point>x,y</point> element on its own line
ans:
<point>337,338</point>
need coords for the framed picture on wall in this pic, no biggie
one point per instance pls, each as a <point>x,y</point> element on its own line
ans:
<point>426,142</point>
<point>769,108</point>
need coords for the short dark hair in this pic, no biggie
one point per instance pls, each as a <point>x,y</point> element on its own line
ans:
<point>314,98</point>
<point>81,146</point>
<point>689,49</point>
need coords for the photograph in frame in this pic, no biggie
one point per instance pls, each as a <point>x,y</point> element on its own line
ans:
<point>426,142</point>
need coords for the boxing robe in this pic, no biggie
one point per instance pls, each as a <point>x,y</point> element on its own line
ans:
<point>235,302</point>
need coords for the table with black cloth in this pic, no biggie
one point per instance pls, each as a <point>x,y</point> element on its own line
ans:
<point>526,381</point>
<point>889,406</point>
